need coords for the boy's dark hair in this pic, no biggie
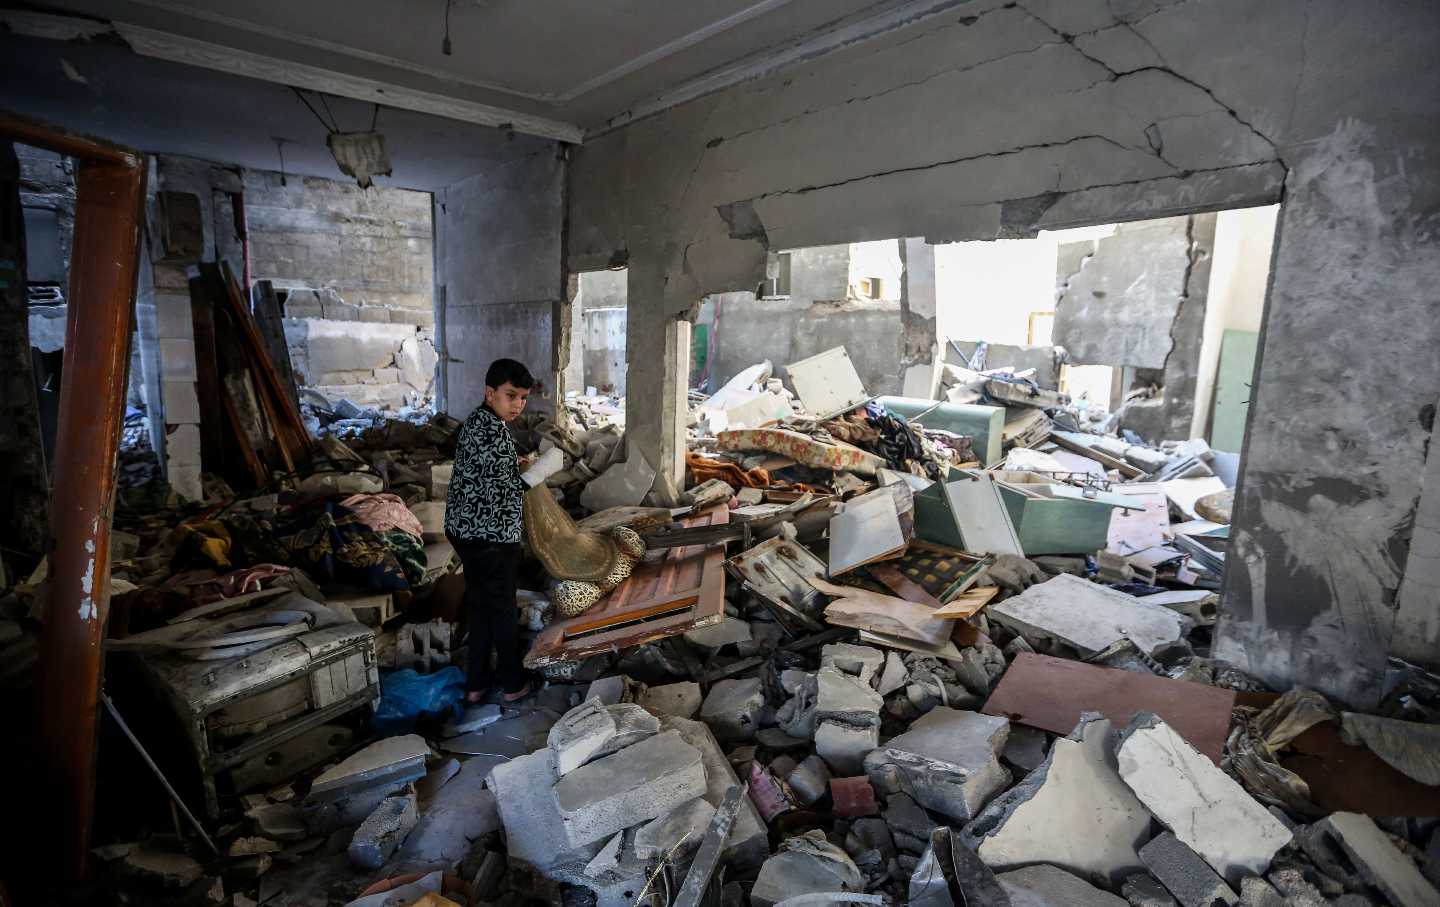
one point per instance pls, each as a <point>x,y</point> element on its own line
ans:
<point>502,371</point>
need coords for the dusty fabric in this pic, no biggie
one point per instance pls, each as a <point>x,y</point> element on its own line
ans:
<point>330,543</point>
<point>409,550</point>
<point>703,469</point>
<point>1408,747</point>
<point>1255,743</point>
<point>206,541</point>
<point>566,551</point>
<point>802,449</point>
<point>383,512</point>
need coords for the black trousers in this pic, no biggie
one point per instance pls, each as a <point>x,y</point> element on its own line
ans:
<point>490,570</point>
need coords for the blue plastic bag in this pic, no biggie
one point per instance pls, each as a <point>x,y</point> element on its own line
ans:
<point>406,696</point>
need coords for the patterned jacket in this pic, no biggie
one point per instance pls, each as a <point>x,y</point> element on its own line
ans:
<point>486,492</point>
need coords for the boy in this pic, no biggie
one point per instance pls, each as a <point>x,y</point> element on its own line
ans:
<point>482,521</point>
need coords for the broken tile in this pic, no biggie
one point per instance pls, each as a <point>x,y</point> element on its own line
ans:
<point>732,710</point>
<point>948,761</point>
<point>1052,693</point>
<point>679,699</point>
<point>853,797</point>
<point>1088,617</point>
<point>676,834</point>
<point>1203,806</point>
<point>805,864</point>
<point>383,831</point>
<point>632,786</point>
<point>1050,886</point>
<point>1380,862</point>
<point>1184,874</point>
<point>1073,811</point>
<point>387,761</point>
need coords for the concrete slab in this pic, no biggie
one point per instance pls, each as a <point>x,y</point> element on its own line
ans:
<point>462,811</point>
<point>387,761</point>
<point>806,864</point>
<point>1049,886</point>
<point>948,761</point>
<point>579,735</point>
<point>1088,617</point>
<point>843,696</point>
<point>632,786</point>
<point>1143,890</point>
<point>678,831</point>
<point>1203,806</point>
<point>534,832</point>
<point>844,746</point>
<point>607,859</point>
<point>1185,874</point>
<point>749,840</point>
<point>1073,812</point>
<point>732,710</point>
<point>863,662</point>
<point>632,724</point>
<point>1379,861</point>
<point>679,699</point>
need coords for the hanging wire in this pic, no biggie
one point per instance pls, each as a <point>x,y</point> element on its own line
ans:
<point>445,42</point>
<point>280,147</point>
<point>375,118</point>
<point>311,107</point>
<point>326,104</point>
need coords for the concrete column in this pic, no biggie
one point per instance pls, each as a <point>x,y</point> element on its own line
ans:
<point>674,408</point>
<point>657,347</point>
<point>922,343</point>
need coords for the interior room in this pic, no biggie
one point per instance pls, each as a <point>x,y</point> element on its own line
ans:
<point>749,452</point>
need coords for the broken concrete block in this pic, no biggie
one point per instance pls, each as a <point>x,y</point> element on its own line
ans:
<point>853,797</point>
<point>632,786</point>
<point>385,829</point>
<point>281,821</point>
<point>862,662</point>
<point>1203,806</point>
<point>777,741</point>
<point>632,724</point>
<point>579,735</point>
<point>679,699</point>
<point>732,710</point>
<point>908,823</point>
<point>534,833</point>
<point>168,870</point>
<point>1184,874</point>
<point>1380,862</point>
<point>679,830</point>
<point>894,676</point>
<point>1142,890</point>
<point>463,812</point>
<point>1073,811</point>
<point>840,696</point>
<point>1256,892</point>
<point>844,746</point>
<point>1050,886</point>
<point>1088,617</point>
<point>247,847</point>
<point>1025,748</point>
<point>948,761</point>
<point>806,864</point>
<point>607,859</point>
<point>609,690</point>
<point>388,761</point>
<point>748,842</point>
<point>810,780</point>
<point>729,631</point>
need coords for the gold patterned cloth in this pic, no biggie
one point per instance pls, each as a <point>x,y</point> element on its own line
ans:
<point>567,551</point>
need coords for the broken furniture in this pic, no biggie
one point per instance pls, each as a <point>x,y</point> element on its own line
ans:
<point>667,594</point>
<point>827,384</point>
<point>966,511</point>
<point>985,425</point>
<point>254,720</point>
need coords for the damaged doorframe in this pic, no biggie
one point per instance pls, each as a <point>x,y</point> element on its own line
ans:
<point>110,191</point>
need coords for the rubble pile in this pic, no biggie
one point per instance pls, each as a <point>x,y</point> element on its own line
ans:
<point>876,651</point>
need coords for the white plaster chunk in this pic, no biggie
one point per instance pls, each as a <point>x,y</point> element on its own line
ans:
<point>392,759</point>
<point>862,662</point>
<point>1088,617</point>
<point>1381,862</point>
<point>840,695</point>
<point>895,675</point>
<point>580,734</point>
<point>1206,809</point>
<point>632,724</point>
<point>948,761</point>
<point>1073,811</point>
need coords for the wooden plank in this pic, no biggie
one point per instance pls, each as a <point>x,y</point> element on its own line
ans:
<point>903,586</point>
<point>271,321</point>
<point>214,451</point>
<point>682,590</point>
<point>968,603</point>
<point>886,614</point>
<point>1051,693</point>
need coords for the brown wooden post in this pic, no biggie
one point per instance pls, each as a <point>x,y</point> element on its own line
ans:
<point>109,194</point>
